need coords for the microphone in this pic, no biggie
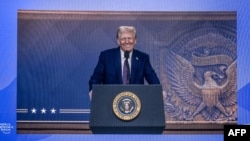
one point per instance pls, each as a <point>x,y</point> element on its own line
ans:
<point>126,54</point>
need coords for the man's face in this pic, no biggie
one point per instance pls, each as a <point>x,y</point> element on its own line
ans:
<point>126,41</point>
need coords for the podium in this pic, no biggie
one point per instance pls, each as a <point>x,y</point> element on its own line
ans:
<point>127,109</point>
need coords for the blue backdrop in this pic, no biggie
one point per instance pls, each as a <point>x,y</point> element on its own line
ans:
<point>8,58</point>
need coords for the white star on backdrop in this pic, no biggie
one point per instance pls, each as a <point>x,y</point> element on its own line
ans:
<point>43,111</point>
<point>33,110</point>
<point>53,111</point>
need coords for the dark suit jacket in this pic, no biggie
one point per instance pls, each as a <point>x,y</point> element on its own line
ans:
<point>108,69</point>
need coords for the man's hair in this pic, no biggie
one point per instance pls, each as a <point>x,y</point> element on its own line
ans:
<point>122,29</point>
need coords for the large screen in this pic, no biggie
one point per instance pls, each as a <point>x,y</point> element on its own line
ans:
<point>49,50</point>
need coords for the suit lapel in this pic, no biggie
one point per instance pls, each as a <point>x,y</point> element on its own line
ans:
<point>134,65</point>
<point>118,64</point>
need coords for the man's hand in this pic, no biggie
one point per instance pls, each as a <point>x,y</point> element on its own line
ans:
<point>90,94</point>
<point>164,95</point>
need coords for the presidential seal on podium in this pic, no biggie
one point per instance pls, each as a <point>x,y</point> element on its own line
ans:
<point>126,106</point>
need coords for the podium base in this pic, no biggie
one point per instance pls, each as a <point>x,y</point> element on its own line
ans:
<point>127,130</point>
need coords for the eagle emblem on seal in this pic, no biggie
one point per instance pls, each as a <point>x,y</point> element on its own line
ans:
<point>126,106</point>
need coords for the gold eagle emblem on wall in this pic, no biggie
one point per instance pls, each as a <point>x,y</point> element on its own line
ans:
<point>211,98</point>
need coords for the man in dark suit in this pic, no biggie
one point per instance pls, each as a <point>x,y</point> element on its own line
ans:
<point>112,62</point>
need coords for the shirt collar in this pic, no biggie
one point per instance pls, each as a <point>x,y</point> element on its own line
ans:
<point>122,54</point>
